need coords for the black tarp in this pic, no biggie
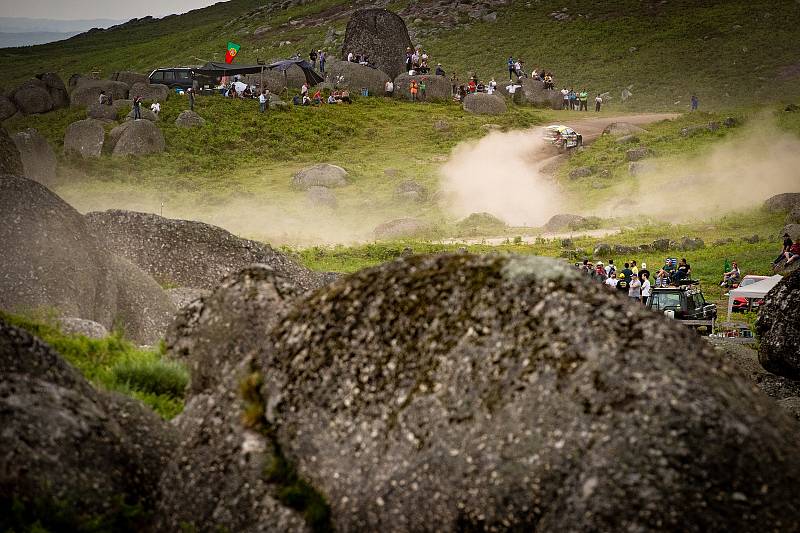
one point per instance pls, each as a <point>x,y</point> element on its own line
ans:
<point>215,70</point>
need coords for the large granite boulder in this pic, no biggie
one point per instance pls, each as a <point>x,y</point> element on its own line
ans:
<point>623,128</point>
<point>534,93</point>
<point>344,74</point>
<point>87,91</point>
<point>484,104</point>
<point>151,92</point>
<point>778,328</point>
<point>380,35</point>
<point>38,158</point>
<point>782,202</point>
<point>136,137</point>
<point>100,111</point>
<point>321,175</point>
<point>130,78</point>
<point>7,108</point>
<point>32,97</point>
<point>190,254</point>
<point>10,159</point>
<point>464,393</point>
<point>85,138</point>
<point>145,113</point>
<point>189,119</point>
<point>55,88</point>
<point>74,459</point>
<point>563,221</point>
<point>437,89</point>
<point>400,227</point>
<point>52,260</point>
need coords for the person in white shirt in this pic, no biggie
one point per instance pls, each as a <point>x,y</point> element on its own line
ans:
<point>612,280</point>
<point>646,290</point>
<point>155,107</point>
<point>389,88</point>
<point>262,101</point>
<point>332,99</point>
<point>512,88</point>
<point>350,57</point>
<point>304,90</point>
<point>598,101</point>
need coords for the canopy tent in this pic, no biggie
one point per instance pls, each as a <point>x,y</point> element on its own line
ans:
<point>215,70</point>
<point>308,69</point>
<point>755,290</point>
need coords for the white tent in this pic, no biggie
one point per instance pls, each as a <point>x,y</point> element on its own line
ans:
<point>754,290</point>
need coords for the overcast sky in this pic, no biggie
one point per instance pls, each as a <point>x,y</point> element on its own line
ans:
<point>93,9</point>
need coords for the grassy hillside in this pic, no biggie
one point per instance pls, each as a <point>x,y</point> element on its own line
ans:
<point>728,52</point>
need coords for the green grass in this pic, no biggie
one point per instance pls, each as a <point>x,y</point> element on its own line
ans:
<point>115,364</point>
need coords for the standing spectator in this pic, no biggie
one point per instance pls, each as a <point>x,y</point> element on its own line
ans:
<point>322,59</point>
<point>695,103</point>
<point>313,57</point>
<point>646,288</point>
<point>634,268</point>
<point>191,99</point>
<point>610,268</point>
<point>409,65</point>
<point>350,57</point>
<point>626,272</point>
<point>389,88</point>
<point>611,281</point>
<point>102,98</point>
<point>262,101</point>
<point>573,99</point>
<point>413,90</point>
<point>423,85</point>
<point>454,84</point>
<point>583,97</point>
<point>137,108</point>
<point>510,68</point>
<point>598,101</point>
<point>518,69</point>
<point>635,289</point>
<point>564,98</point>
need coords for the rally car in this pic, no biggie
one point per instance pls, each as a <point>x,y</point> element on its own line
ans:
<point>562,137</point>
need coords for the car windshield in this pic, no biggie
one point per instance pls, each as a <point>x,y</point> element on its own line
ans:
<point>665,300</point>
<point>748,281</point>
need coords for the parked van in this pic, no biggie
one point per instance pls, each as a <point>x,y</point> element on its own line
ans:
<point>182,77</point>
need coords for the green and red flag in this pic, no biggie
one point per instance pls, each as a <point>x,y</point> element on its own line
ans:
<point>233,50</point>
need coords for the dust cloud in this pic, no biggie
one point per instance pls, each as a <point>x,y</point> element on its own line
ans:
<point>737,173</point>
<point>502,174</point>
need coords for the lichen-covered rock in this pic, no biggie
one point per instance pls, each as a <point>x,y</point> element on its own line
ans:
<point>401,227</point>
<point>85,138</point>
<point>55,262</point>
<point>130,78</point>
<point>214,334</point>
<point>10,159</point>
<point>355,77</point>
<point>477,393</point>
<point>692,243</point>
<point>189,119</point>
<point>381,35</point>
<point>150,92</point>
<point>32,97</point>
<point>7,108</point>
<point>73,458</point>
<point>534,93</point>
<point>136,137</point>
<point>81,326</point>
<point>87,91</point>
<point>484,104</point>
<point>782,202</point>
<point>481,223</point>
<point>38,159</point>
<point>437,88</point>
<point>321,196</point>
<point>637,154</point>
<point>56,88</point>
<point>188,253</point>
<point>183,296</point>
<point>411,190</point>
<point>563,221</point>
<point>144,114</point>
<point>778,327</point>
<point>322,175</point>
<point>102,111</point>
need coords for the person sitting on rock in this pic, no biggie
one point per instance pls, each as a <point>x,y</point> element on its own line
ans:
<point>306,100</point>
<point>350,57</point>
<point>346,97</point>
<point>793,253</point>
<point>317,98</point>
<point>439,70</point>
<point>389,88</point>
<point>332,99</point>
<point>102,98</point>
<point>787,244</point>
<point>155,107</point>
<point>473,86</point>
<point>732,277</point>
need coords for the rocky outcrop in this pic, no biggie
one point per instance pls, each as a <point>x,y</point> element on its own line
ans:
<point>477,223</point>
<point>136,137</point>
<point>55,88</point>
<point>85,138</point>
<point>322,175</point>
<point>10,159</point>
<point>73,458</point>
<point>343,74</point>
<point>188,253</point>
<point>380,35</point>
<point>102,112</point>
<point>38,159</point>
<point>455,378</point>
<point>144,114</point>
<point>150,92</point>
<point>411,190</point>
<point>637,154</point>
<point>782,202</point>
<point>81,326</point>
<point>534,93</point>
<point>7,108</point>
<point>189,119</point>
<point>32,97</point>
<point>689,244</point>
<point>321,196</point>
<point>87,91</point>
<point>52,260</point>
<point>437,87</point>
<point>563,221</point>
<point>623,128</point>
<point>401,227</point>
<point>778,328</point>
<point>484,104</point>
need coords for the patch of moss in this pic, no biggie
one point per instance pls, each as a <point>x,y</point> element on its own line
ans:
<point>45,513</point>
